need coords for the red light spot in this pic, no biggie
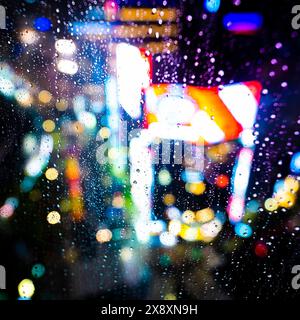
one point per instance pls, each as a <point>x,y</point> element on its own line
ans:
<point>261,250</point>
<point>222,181</point>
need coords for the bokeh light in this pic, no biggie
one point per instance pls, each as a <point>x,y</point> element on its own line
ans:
<point>49,125</point>
<point>42,24</point>
<point>26,288</point>
<point>51,174</point>
<point>53,217</point>
<point>103,235</point>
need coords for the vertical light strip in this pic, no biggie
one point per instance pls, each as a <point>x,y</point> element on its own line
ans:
<point>240,181</point>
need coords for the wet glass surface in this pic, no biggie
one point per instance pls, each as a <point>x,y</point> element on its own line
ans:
<point>149,149</point>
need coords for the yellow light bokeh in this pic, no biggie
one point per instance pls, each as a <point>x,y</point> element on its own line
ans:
<point>174,227</point>
<point>49,125</point>
<point>219,152</point>
<point>161,47</point>
<point>271,204</point>
<point>103,235</point>
<point>26,288</point>
<point>170,296</point>
<point>197,188</point>
<point>145,30</point>
<point>169,199</point>
<point>147,14</point>
<point>188,217</point>
<point>78,127</point>
<point>205,215</point>
<point>285,199</point>
<point>51,174</point>
<point>24,98</point>
<point>291,184</point>
<point>53,217</point>
<point>104,133</point>
<point>45,96</point>
<point>189,234</point>
<point>61,105</point>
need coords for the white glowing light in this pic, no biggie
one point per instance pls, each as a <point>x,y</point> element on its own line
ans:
<point>156,226</point>
<point>67,66</point>
<point>190,234</point>
<point>151,100</point>
<point>171,132</point>
<point>65,46</point>
<point>112,103</point>
<point>207,128</point>
<point>236,208</point>
<point>88,119</point>
<point>23,97</point>
<point>103,235</point>
<point>242,172</point>
<point>132,77</point>
<point>6,71</point>
<point>142,231</point>
<point>240,181</point>
<point>7,87</point>
<point>141,175</point>
<point>247,138</point>
<point>38,162</point>
<point>211,229</point>
<point>167,239</point>
<point>173,213</point>
<point>34,166</point>
<point>240,101</point>
<point>79,103</point>
<point>53,217</point>
<point>164,177</point>
<point>126,254</point>
<point>29,36</point>
<point>174,110</point>
<point>174,227</point>
<point>97,106</point>
<point>178,117</point>
<point>30,144</point>
<point>46,145</point>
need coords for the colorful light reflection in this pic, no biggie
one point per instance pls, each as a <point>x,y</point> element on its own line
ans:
<point>243,23</point>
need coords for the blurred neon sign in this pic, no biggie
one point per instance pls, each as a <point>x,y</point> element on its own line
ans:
<point>195,115</point>
<point>210,115</point>
<point>243,23</point>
